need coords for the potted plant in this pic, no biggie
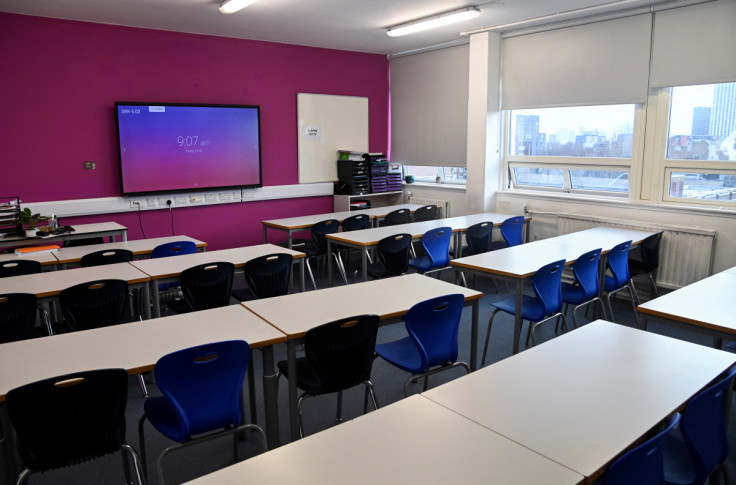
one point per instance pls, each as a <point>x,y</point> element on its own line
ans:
<point>29,221</point>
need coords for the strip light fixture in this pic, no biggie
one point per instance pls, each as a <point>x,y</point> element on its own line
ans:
<point>232,6</point>
<point>434,21</point>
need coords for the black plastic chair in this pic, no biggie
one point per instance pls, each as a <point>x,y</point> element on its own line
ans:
<point>19,267</point>
<point>318,247</point>
<point>70,419</point>
<point>646,262</point>
<point>89,241</point>
<point>393,257</point>
<point>18,317</point>
<point>353,223</point>
<point>94,304</point>
<point>338,356</point>
<point>106,256</point>
<point>478,241</point>
<point>642,465</point>
<point>202,388</point>
<point>399,216</point>
<point>425,213</point>
<point>266,276</point>
<point>204,286</point>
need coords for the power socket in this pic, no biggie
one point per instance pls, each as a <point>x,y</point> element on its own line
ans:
<point>180,200</point>
<point>195,199</point>
<point>210,198</point>
<point>137,203</point>
<point>225,196</point>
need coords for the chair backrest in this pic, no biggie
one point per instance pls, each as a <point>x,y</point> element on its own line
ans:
<point>478,238</point>
<point>69,419</point>
<point>356,222</point>
<point>17,316</point>
<point>106,256</point>
<point>341,352</point>
<point>436,243</point>
<point>586,274</point>
<point>399,216</point>
<point>89,241</point>
<point>320,231</point>
<point>207,285</point>
<point>433,326</point>
<point>512,230</point>
<point>704,428</point>
<point>393,252</point>
<point>174,248</point>
<point>618,263</point>
<point>649,250</point>
<point>19,267</point>
<point>269,275</point>
<point>94,304</point>
<point>204,385</point>
<point>547,286</point>
<point>426,213</point>
<point>642,465</point>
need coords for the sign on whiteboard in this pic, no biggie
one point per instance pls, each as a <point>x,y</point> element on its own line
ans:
<point>312,133</point>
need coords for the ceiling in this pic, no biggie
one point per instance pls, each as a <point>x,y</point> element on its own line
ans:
<point>353,25</point>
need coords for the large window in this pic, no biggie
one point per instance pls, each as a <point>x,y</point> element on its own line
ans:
<point>572,149</point>
<point>432,174</point>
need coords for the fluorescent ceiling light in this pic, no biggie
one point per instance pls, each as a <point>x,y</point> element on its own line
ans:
<point>434,21</point>
<point>232,6</point>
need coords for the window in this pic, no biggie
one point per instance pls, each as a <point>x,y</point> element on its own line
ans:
<point>432,174</point>
<point>701,144</point>
<point>572,149</point>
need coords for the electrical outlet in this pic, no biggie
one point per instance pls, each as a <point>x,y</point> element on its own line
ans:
<point>136,203</point>
<point>195,199</point>
<point>210,198</point>
<point>151,202</point>
<point>89,165</point>
<point>225,196</point>
<point>249,194</point>
<point>162,201</point>
<point>180,200</point>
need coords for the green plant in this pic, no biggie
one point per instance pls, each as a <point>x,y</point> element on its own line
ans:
<point>29,220</point>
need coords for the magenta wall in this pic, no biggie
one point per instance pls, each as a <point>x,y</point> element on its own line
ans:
<point>60,79</point>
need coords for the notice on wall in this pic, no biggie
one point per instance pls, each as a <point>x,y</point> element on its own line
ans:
<point>313,132</point>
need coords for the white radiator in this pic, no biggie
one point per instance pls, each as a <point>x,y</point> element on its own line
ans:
<point>442,205</point>
<point>685,254</point>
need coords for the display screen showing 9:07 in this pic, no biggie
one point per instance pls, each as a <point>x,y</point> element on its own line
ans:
<point>192,142</point>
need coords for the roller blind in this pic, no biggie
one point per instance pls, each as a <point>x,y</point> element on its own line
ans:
<point>598,63</point>
<point>694,45</point>
<point>429,107</point>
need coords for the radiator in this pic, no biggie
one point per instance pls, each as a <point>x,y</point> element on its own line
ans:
<point>685,254</point>
<point>442,205</point>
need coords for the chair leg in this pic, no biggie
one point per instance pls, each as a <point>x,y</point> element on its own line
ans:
<point>488,336</point>
<point>142,383</point>
<point>610,308</point>
<point>142,443</point>
<point>653,284</point>
<point>369,391</point>
<point>299,412</point>
<point>636,293</point>
<point>23,476</point>
<point>126,448</point>
<point>311,275</point>
<point>338,417</point>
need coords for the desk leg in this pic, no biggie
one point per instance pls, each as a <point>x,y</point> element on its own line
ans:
<point>124,235</point>
<point>329,262</point>
<point>364,261</point>
<point>265,237</point>
<point>146,297</point>
<point>474,335</point>
<point>270,397</point>
<point>156,300</point>
<point>293,413</point>
<point>517,314</point>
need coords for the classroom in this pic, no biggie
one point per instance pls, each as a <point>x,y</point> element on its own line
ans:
<point>573,113</point>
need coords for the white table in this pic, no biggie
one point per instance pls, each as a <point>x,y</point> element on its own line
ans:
<point>584,397</point>
<point>519,263</point>
<point>165,270</point>
<point>411,441</point>
<point>139,247</point>
<point>389,298</point>
<point>301,223</point>
<point>368,238</point>
<point>47,259</point>
<point>706,306</point>
<point>81,231</point>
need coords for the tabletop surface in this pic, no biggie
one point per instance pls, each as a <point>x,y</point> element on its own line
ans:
<point>139,246</point>
<point>309,220</point>
<point>410,441</point>
<point>50,283</point>
<point>45,258</point>
<point>709,303</point>
<point>132,346</point>
<point>368,237</point>
<point>603,237</point>
<point>170,267</point>
<point>582,398</point>
<point>79,229</point>
<point>296,313</point>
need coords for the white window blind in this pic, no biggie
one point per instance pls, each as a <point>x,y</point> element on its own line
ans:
<point>604,62</point>
<point>694,45</point>
<point>429,107</point>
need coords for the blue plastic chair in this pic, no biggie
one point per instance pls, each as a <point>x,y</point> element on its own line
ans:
<point>432,343</point>
<point>512,230</point>
<point>619,279</point>
<point>545,305</point>
<point>201,389</point>
<point>436,257</point>
<point>642,465</point>
<point>701,446</point>
<point>174,248</point>
<point>586,288</point>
